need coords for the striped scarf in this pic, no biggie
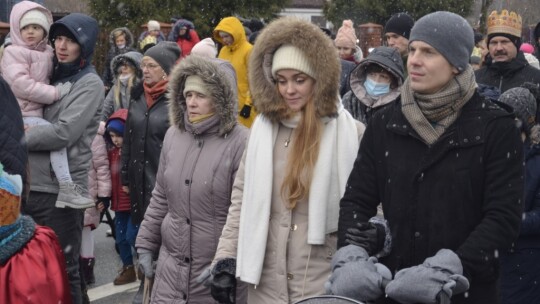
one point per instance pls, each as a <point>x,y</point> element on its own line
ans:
<point>430,115</point>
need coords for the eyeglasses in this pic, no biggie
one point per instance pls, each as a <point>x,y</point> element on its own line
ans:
<point>150,66</point>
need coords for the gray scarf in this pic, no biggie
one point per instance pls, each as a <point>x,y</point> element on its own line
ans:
<point>430,115</point>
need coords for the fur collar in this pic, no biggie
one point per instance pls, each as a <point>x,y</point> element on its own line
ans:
<point>218,82</point>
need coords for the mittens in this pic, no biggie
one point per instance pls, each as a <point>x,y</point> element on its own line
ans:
<point>146,262</point>
<point>434,281</point>
<point>356,275</point>
<point>62,89</point>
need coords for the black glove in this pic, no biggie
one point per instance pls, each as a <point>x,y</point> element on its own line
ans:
<point>105,200</point>
<point>246,111</point>
<point>369,236</point>
<point>223,281</point>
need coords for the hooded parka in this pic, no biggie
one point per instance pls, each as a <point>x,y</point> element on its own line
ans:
<point>292,269</point>
<point>357,101</point>
<point>238,55</point>
<point>191,198</point>
<point>536,35</point>
<point>108,73</point>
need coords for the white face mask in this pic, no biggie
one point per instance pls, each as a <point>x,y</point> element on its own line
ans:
<point>124,77</point>
<point>120,46</point>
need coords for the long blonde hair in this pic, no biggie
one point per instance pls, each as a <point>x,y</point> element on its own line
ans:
<point>303,156</point>
<point>118,86</point>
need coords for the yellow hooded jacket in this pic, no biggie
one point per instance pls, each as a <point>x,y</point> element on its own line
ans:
<point>238,55</point>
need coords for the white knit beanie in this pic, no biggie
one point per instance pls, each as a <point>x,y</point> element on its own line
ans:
<point>153,25</point>
<point>206,48</point>
<point>195,83</point>
<point>291,57</point>
<point>35,16</point>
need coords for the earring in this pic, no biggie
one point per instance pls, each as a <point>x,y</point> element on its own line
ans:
<point>164,77</point>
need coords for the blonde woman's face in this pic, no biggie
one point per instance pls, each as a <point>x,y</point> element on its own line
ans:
<point>295,87</point>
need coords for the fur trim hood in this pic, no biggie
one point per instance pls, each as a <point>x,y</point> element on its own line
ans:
<point>127,33</point>
<point>218,82</point>
<point>321,54</point>
<point>133,57</point>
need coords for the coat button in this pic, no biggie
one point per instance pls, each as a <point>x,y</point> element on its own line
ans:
<point>294,227</point>
<point>188,221</point>
<point>186,182</point>
<point>185,296</point>
<point>417,234</point>
<point>186,259</point>
<point>290,276</point>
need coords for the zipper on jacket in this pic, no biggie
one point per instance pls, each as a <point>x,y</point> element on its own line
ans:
<point>500,83</point>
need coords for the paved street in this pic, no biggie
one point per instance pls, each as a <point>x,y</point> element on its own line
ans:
<point>107,265</point>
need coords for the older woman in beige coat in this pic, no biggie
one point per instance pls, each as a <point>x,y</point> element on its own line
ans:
<point>281,229</point>
<point>199,160</point>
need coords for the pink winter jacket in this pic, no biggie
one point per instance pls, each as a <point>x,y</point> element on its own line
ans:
<point>99,177</point>
<point>27,69</point>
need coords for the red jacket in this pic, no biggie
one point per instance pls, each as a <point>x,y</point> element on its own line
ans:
<point>119,199</point>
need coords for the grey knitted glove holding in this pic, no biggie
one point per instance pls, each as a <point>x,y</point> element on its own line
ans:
<point>62,89</point>
<point>356,275</point>
<point>435,281</point>
<point>146,262</point>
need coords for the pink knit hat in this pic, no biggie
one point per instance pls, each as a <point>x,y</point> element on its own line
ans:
<point>527,48</point>
<point>346,36</point>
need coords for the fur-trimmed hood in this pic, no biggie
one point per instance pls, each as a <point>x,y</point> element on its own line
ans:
<point>320,52</point>
<point>218,82</point>
<point>133,57</point>
<point>129,37</point>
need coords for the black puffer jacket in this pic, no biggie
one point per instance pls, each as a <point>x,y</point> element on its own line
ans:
<point>143,139</point>
<point>462,193</point>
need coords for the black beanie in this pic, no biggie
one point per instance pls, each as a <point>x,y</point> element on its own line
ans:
<point>515,40</point>
<point>401,24</point>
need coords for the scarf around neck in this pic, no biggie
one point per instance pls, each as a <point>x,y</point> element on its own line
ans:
<point>338,150</point>
<point>431,114</point>
<point>153,93</point>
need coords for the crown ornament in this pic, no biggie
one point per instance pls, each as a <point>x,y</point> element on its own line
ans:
<point>504,23</point>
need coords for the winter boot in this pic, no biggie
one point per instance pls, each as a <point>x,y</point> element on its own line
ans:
<point>126,275</point>
<point>87,267</point>
<point>70,195</point>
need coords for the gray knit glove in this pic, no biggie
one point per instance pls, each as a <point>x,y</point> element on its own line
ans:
<point>356,275</point>
<point>62,89</point>
<point>146,262</point>
<point>435,281</point>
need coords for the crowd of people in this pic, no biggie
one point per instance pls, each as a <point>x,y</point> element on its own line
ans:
<point>272,164</point>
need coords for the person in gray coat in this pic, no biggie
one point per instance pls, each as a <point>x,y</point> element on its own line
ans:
<point>374,83</point>
<point>199,160</point>
<point>74,123</point>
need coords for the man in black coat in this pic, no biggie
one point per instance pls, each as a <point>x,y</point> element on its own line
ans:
<point>447,167</point>
<point>505,66</point>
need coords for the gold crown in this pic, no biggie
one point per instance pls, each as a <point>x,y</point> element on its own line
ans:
<point>505,22</point>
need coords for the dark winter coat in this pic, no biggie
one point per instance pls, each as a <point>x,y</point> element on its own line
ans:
<point>536,35</point>
<point>13,154</point>
<point>519,266</point>
<point>143,138</point>
<point>108,74</point>
<point>507,75</point>
<point>462,193</point>
<point>191,198</point>
<point>357,101</point>
<point>344,79</point>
